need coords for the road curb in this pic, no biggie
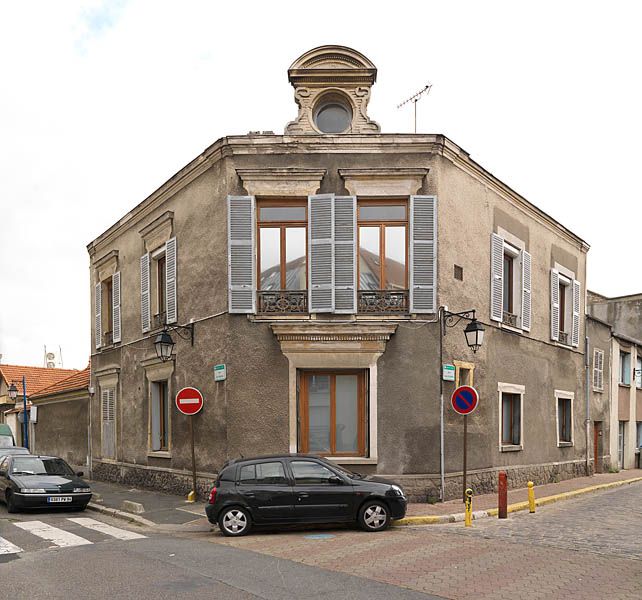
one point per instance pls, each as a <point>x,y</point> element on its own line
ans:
<point>120,514</point>
<point>519,506</point>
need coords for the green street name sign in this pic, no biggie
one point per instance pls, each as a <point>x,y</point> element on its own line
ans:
<point>220,372</point>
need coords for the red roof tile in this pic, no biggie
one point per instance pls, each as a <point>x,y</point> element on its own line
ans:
<point>38,378</point>
<point>78,381</point>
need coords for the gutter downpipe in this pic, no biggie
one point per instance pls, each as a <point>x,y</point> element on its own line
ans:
<point>587,422</point>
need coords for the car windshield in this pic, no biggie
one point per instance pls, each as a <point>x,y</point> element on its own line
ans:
<point>33,465</point>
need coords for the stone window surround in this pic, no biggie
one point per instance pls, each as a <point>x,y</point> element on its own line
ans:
<point>156,370</point>
<point>334,347</point>
<point>156,233</point>
<point>460,366</point>
<point>567,274</point>
<point>511,388</point>
<point>566,396</point>
<point>513,246</point>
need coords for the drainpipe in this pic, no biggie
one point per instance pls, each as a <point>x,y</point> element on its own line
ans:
<point>587,422</point>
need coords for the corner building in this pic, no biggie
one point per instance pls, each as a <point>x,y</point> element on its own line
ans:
<point>313,265</point>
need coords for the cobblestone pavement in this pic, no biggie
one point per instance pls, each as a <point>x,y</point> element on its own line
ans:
<point>587,548</point>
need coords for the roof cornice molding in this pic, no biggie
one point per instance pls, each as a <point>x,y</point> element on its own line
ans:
<point>288,181</point>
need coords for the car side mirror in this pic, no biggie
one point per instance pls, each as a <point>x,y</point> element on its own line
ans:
<point>335,480</point>
<point>80,473</point>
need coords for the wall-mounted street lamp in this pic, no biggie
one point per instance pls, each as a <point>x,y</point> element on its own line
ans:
<point>164,343</point>
<point>13,391</point>
<point>474,333</point>
<point>13,394</point>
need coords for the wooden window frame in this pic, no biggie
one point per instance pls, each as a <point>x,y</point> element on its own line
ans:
<point>382,237</point>
<point>362,411</point>
<point>161,284</point>
<point>562,305</point>
<point>282,226</point>
<point>509,282</point>
<point>107,293</point>
<point>563,436</point>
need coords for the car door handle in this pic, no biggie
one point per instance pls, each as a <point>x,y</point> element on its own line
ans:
<point>304,495</point>
<point>247,494</point>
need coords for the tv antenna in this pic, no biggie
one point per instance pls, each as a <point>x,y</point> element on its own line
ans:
<point>414,99</point>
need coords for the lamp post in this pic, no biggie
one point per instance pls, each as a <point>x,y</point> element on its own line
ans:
<point>474,333</point>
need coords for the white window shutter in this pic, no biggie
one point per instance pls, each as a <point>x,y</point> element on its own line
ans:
<point>345,254</point>
<point>496,277</point>
<point>115,303</point>
<point>321,253</point>
<point>423,254</point>
<point>575,332</point>
<point>241,225</point>
<point>555,305</point>
<point>526,290</point>
<point>170,281</point>
<point>98,322</point>
<point>145,308</point>
<point>108,423</point>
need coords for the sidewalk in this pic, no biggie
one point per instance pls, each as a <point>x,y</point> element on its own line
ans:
<point>170,510</point>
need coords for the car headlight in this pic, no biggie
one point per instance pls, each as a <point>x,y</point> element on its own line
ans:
<point>32,490</point>
<point>397,491</point>
<point>82,490</point>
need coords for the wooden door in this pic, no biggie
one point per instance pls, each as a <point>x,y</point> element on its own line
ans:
<point>597,434</point>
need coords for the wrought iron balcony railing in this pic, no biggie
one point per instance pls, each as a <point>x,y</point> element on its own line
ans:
<point>158,320</point>
<point>509,319</point>
<point>382,301</point>
<point>563,338</point>
<point>283,302</point>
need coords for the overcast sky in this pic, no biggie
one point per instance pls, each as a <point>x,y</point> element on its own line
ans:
<point>101,102</point>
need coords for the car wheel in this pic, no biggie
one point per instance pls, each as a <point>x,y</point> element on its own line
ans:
<point>11,504</point>
<point>235,522</point>
<point>374,516</point>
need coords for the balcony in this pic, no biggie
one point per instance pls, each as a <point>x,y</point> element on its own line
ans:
<point>509,319</point>
<point>158,321</point>
<point>283,302</point>
<point>563,338</point>
<point>381,302</point>
<point>108,338</point>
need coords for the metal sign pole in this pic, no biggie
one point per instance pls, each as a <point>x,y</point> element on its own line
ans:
<point>25,424</point>
<point>465,457</point>
<point>191,434</point>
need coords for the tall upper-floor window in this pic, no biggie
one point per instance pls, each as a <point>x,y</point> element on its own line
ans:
<point>383,245</point>
<point>282,246</point>
<point>638,372</point>
<point>107,323</point>
<point>565,307</point>
<point>625,368</point>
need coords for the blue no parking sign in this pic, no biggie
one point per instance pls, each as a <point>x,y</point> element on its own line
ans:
<point>464,399</point>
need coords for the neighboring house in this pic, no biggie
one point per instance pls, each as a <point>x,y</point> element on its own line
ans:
<point>37,378</point>
<point>624,315</point>
<point>62,424</point>
<point>313,265</point>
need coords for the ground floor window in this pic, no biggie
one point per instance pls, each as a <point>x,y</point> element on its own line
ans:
<point>620,444</point>
<point>332,412</point>
<point>159,416</point>
<point>564,420</point>
<point>108,422</point>
<point>511,419</point>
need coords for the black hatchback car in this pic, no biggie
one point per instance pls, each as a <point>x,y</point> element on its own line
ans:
<point>40,482</point>
<point>298,488</point>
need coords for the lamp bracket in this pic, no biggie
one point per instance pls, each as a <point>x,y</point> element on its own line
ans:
<point>185,332</point>
<point>451,319</point>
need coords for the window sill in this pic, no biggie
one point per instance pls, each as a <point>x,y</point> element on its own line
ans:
<point>511,328</point>
<point>352,460</point>
<point>624,385</point>
<point>564,444</point>
<point>598,390</point>
<point>159,454</point>
<point>509,448</point>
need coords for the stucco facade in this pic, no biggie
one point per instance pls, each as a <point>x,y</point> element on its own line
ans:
<point>257,409</point>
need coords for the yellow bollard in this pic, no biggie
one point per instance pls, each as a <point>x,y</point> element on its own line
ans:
<point>469,507</point>
<point>531,497</point>
<point>191,497</point>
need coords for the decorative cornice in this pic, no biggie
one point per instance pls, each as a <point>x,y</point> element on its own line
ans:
<point>390,182</point>
<point>158,222</point>
<point>302,332</point>
<point>287,181</point>
<point>106,258</point>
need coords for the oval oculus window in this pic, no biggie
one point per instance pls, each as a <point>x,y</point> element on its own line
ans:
<point>333,117</point>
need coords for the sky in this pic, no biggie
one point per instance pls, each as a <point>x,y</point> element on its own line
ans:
<point>103,101</point>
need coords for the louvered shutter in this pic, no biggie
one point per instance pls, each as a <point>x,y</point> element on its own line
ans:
<point>526,290</point>
<point>170,281</point>
<point>115,303</point>
<point>496,277</point>
<point>156,414</point>
<point>555,305</point>
<point>598,366</point>
<point>241,255</point>
<point>145,309</point>
<point>345,254</point>
<point>98,317</point>
<point>423,254</point>
<point>321,253</point>
<point>108,423</point>
<point>575,332</point>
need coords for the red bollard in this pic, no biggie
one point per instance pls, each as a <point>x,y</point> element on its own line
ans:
<point>503,496</point>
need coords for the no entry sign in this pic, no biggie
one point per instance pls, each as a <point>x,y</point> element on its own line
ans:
<point>189,401</point>
<point>464,399</point>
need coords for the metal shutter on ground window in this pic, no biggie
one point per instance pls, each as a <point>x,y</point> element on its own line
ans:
<point>423,254</point>
<point>555,305</point>
<point>241,255</point>
<point>98,319</point>
<point>145,309</point>
<point>575,332</point>
<point>321,253</point>
<point>108,397</point>
<point>170,281</point>
<point>526,290</point>
<point>496,277</point>
<point>345,254</point>
<point>115,303</point>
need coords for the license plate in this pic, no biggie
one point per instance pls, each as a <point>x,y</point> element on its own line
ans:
<point>59,499</point>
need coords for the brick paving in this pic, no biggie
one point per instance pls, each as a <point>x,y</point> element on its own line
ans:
<point>587,548</point>
<point>486,501</point>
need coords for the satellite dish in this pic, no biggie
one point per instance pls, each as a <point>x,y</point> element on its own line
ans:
<point>51,365</point>
<point>51,356</point>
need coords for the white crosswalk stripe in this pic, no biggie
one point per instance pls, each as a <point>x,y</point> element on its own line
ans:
<point>6,547</point>
<point>59,537</point>
<point>120,534</point>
